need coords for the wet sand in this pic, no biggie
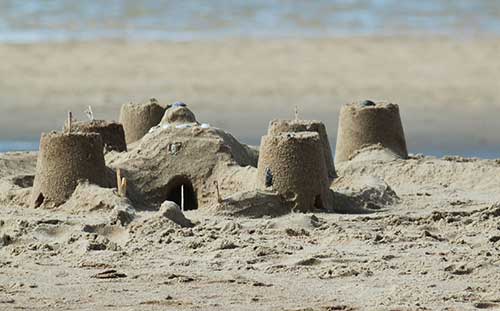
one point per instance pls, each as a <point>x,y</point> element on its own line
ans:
<point>447,88</point>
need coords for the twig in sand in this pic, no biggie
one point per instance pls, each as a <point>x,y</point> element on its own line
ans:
<point>219,199</point>
<point>296,111</point>
<point>69,122</point>
<point>121,183</point>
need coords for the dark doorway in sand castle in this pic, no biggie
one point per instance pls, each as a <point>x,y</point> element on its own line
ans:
<point>181,191</point>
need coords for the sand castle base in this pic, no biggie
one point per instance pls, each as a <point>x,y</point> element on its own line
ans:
<point>63,161</point>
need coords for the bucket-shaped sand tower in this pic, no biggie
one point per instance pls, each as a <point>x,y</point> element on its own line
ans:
<point>283,126</point>
<point>65,159</point>
<point>293,165</point>
<point>112,133</point>
<point>178,113</point>
<point>138,119</point>
<point>368,123</point>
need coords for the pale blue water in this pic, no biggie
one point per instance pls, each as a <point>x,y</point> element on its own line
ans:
<point>8,146</point>
<point>60,20</point>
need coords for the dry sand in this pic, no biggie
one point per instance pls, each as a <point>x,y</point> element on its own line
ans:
<point>435,248</point>
<point>423,234</point>
<point>446,86</point>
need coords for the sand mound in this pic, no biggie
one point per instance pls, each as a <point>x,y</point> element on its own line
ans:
<point>362,194</point>
<point>254,204</point>
<point>173,212</point>
<point>171,157</point>
<point>92,198</point>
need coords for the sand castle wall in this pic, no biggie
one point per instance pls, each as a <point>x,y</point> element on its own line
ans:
<point>293,165</point>
<point>367,123</point>
<point>112,133</point>
<point>283,126</point>
<point>138,119</point>
<point>63,160</point>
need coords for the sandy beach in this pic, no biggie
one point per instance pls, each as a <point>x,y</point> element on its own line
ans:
<point>447,88</point>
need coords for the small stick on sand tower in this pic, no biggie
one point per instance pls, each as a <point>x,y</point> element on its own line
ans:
<point>121,183</point>
<point>90,113</point>
<point>296,112</point>
<point>69,122</point>
<point>219,199</point>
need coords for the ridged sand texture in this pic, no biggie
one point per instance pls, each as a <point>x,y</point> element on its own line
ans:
<point>63,160</point>
<point>178,115</point>
<point>362,124</point>
<point>297,166</point>
<point>112,133</point>
<point>138,119</point>
<point>283,126</point>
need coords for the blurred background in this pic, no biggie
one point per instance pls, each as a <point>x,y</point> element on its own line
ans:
<point>238,64</point>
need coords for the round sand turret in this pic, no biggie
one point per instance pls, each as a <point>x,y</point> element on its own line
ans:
<point>367,123</point>
<point>63,160</point>
<point>138,119</point>
<point>293,165</point>
<point>283,126</point>
<point>112,133</point>
<point>179,113</point>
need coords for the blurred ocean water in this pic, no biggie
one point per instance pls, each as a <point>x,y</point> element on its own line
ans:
<point>62,20</point>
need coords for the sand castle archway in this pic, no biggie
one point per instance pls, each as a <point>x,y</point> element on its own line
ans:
<point>174,192</point>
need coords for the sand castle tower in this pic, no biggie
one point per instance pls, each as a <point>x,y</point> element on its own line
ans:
<point>367,123</point>
<point>112,133</point>
<point>283,126</point>
<point>63,160</point>
<point>293,165</point>
<point>138,119</point>
<point>178,113</point>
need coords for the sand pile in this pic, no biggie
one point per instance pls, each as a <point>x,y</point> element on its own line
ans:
<point>189,156</point>
<point>367,123</point>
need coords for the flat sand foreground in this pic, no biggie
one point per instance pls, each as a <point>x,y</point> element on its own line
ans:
<point>447,88</point>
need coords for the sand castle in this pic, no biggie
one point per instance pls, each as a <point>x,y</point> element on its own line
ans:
<point>138,119</point>
<point>283,126</point>
<point>112,133</point>
<point>63,161</point>
<point>181,159</point>
<point>367,123</point>
<point>293,165</point>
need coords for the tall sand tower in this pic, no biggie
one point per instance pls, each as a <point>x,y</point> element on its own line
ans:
<point>368,123</point>
<point>293,165</point>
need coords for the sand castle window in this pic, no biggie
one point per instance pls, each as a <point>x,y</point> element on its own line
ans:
<point>180,190</point>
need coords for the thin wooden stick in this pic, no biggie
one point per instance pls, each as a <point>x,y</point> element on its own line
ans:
<point>70,121</point>
<point>124,187</point>
<point>296,111</point>
<point>119,181</point>
<point>219,199</point>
